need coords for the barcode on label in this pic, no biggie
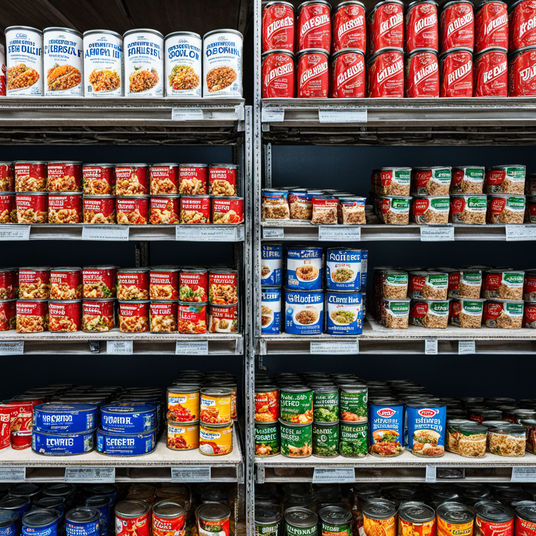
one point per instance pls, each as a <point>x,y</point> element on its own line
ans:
<point>199,473</point>
<point>466,347</point>
<point>90,474</point>
<point>430,346</point>
<point>115,233</point>
<point>335,347</point>
<point>119,347</point>
<point>12,474</point>
<point>191,348</point>
<point>12,348</point>
<point>523,474</point>
<point>14,232</point>
<point>339,233</point>
<point>325,475</point>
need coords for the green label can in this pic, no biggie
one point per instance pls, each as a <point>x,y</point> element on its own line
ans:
<point>300,522</point>
<point>296,439</point>
<point>326,404</point>
<point>326,439</point>
<point>296,404</point>
<point>267,439</point>
<point>353,439</point>
<point>353,404</point>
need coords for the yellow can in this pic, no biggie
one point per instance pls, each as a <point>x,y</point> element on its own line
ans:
<point>232,386</point>
<point>183,404</point>
<point>215,440</point>
<point>216,405</point>
<point>182,436</point>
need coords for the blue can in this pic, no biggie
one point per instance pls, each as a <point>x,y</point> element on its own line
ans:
<point>40,522</point>
<point>128,418</point>
<point>304,268</point>
<point>65,418</point>
<point>386,427</point>
<point>101,503</point>
<point>126,444</point>
<point>19,505</point>
<point>304,312</point>
<point>364,268</point>
<point>344,313</point>
<point>425,426</point>
<point>9,523</point>
<point>343,269</point>
<point>271,265</point>
<point>82,521</point>
<point>56,503</point>
<point>56,444</point>
<point>271,311</point>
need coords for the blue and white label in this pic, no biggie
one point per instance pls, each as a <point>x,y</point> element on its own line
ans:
<point>127,418</point>
<point>386,429</point>
<point>222,64</point>
<point>125,444</point>
<point>271,265</point>
<point>56,444</point>
<point>144,64</point>
<point>343,269</point>
<point>64,418</point>
<point>103,64</point>
<point>91,528</point>
<point>364,268</point>
<point>304,312</point>
<point>271,311</point>
<point>183,65</point>
<point>344,313</point>
<point>426,429</point>
<point>304,268</point>
<point>24,52</point>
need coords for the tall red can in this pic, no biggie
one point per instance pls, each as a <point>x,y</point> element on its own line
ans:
<point>422,73</point>
<point>491,73</point>
<point>313,74</point>
<point>457,25</point>
<point>421,26</point>
<point>386,73</point>
<point>386,26</point>
<point>522,73</point>
<point>457,73</point>
<point>314,25</point>
<point>278,26</point>
<point>278,76</point>
<point>350,26</point>
<point>348,74</point>
<point>491,25</point>
<point>522,24</point>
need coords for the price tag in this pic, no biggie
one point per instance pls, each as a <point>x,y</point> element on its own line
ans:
<point>116,233</point>
<point>120,347</point>
<point>12,474</point>
<point>518,233</point>
<point>342,116</point>
<point>90,474</point>
<point>273,232</point>
<point>430,475</point>
<point>191,348</point>
<point>187,114</point>
<point>523,474</point>
<point>339,233</point>
<point>437,233</point>
<point>466,347</point>
<point>209,234</point>
<point>12,348</point>
<point>330,475</point>
<point>200,473</point>
<point>273,115</point>
<point>430,346</point>
<point>14,232</point>
<point>335,347</point>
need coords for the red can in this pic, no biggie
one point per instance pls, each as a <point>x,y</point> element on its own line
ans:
<point>30,176</point>
<point>8,283</point>
<point>32,316</point>
<point>98,281</point>
<point>348,74</point>
<point>31,207</point>
<point>529,287</point>
<point>164,210</point>
<point>64,176</point>
<point>525,523</point>
<point>522,24</point>
<point>133,284</point>
<point>529,321</point>
<point>98,179</point>
<point>522,73</point>
<point>267,405</point>
<point>65,283</point>
<point>313,74</point>
<point>131,179</point>
<point>132,210</point>
<point>193,179</point>
<point>164,283</point>
<point>421,26</point>
<point>499,523</point>
<point>457,73</point>
<point>99,210</point>
<point>422,74</point>
<point>386,26</point>
<point>64,315</point>
<point>491,73</point>
<point>98,315</point>
<point>8,315</point>
<point>223,318</point>
<point>133,317</point>
<point>164,179</point>
<point>8,212</point>
<point>386,73</point>
<point>132,517</point>
<point>195,209</point>
<point>457,25</point>
<point>34,283</point>
<point>227,210</point>
<point>6,413</point>
<point>278,76</point>
<point>491,25</point>
<point>192,318</point>
<point>21,423</point>
<point>193,285</point>
<point>7,183</point>
<point>222,179</point>
<point>64,207</point>
<point>223,287</point>
<point>168,518</point>
<point>278,26</point>
<point>350,26</point>
<point>163,316</point>
<point>314,25</point>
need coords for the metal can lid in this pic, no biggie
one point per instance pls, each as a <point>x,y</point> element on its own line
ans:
<point>132,270</point>
<point>223,30</point>
<point>416,512</point>
<point>131,508</point>
<point>216,391</point>
<point>493,511</point>
<point>168,510</point>
<point>190,34</point>
<point>527,511</point>
<point>82,514</point>
<point>379,509</point>
<point>66,269</point>
<point>194,165</point>
<point>146,30</point>
<point>98,501</point>
<point>455,512</point>
<point>296,389</point>
<point>39,518</point>
<point>24,490</point>
<point>300,517</point>
<point>335,515</point>
<point>266,513</point>
<point>213,512</point>
<point>109,32</point>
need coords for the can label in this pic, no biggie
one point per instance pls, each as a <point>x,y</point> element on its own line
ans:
<point>267,441</point>
<point>278,76</point>
<point>450,529</point>
<point>64,177</point>
<point>457,26</point>
<point>215,441</point>
<point>98,180</point>
<point>223,288</point>
<point>182,437</point>
<point>296,440</point>
<point>348,75</point>
<point>421,27</point>
<point>267,406</point>
<point>64,208</point>
<point>125,526</point>
<point>523,25</point>
<point>386,74</point>
<point>522,73</point>
<point>183,65</point>
<point>164,180</point>
<point>98,283</point>
<point>491,26</point>
<point>488,528</point>
<point>422,75</point>
<point>426,430</point>
<point>8,212</point>
<point>353,440</point>
<point>103,62</point>
<point>353,405</point>
<point>457,74</point>
<point>228,211</point>
<point>65,285</point>
<point>24,54</point>
<point>183,407</point>
<point>133,285</point>
<point>99,210</point>
<point>30,176</point>
<point>193,179</point>
<point>386,26</point>
<point>132,210</point>
<point>193,286</point>
<point>7,183</point>
<point>143,64</point>
<point>314,27</point>
<point>278,27</point>
<point>192,318</point>
<point>350,28</point>
<point>64,316</point>
<point>164,285</point>
<point>164,210</point>
<point>165,526</point>
<point>131,180</point>
<point>491,74</point>
<point>313,75</point>
<point>296,407</point>
<point>215,409</point>
<point>386,432</point>
<point>195,210</point>
<point>133,317</point>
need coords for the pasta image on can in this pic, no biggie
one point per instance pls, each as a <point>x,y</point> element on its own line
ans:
<point>183,64</point>
<point>182,436</point>
<point>379,517</point>
<point>183,404</point>
<point>215,440</point>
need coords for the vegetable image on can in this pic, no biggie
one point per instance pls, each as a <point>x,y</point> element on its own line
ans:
<point>344,313</point>
<point>325,439</point>
<point>103,63</point>
<point>353,439</point>
<point>326,404</point>
<point>386,427</point>
<point>182,63</point>
<point>296,439</point>
<point>296,404</point>
<point>267,442</point>
<point>335,520</point>
<point>343,269</point>
<point>353,402</point>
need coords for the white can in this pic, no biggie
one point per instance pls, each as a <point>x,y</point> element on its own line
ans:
<point>62,62</point>
<point>183,64</point>
<point>144,63</point>
<point>103,63</point>
<point>222,63</point>
<point>2,70</point>
<point>24,54</point>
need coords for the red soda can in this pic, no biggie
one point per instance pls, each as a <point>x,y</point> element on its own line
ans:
<point>386,73</point>
<point>457,25</point>
<point>386,26</point>
<point>313,74</point>
<point>522,73</point>
<point>278,76</point>
<point>314,25</point>
<point>491,25</point>
<point>278,26</point>
<point>491,73</point>
<point>422,73</point>
<point>457,73</point>
<point>348,74</point>
<point>350,26</point>
<point>421,26</point>
<point>522,24</point>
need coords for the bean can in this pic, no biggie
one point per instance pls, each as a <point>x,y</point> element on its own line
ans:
<point>267,442</point>
<point>353,403</point>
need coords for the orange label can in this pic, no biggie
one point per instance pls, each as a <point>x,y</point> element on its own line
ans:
<point>183,404</point>
<point>216,440</point>
<point>216,405</point>
<point>183,436</point>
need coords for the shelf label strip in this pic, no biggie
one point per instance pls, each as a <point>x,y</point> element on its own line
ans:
<point>15,232</point>
<point>339,233</point>
<point>335,347</point>
<point>216,234</point>
<point>191,348</point>
<point>331,475</point>
<point>273,115</point>
<point>120,347</point>
<point>430,346</point>
<point>187,114</point>
<point>466,347</point>
<point>523,474</point>
<point>437,233</point>
<point>12,348</point>
<point>519,233</point>
<point>90,474</point>
<point>343,116</point>
<point>116,233</point>
<point>430,475</point>
<point>12,474</point>
<point>273,232</point>
<point>199,473</point>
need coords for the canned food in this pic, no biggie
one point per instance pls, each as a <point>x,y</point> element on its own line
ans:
<point>506,208</point>
<point>8,211</point>
<point>296,439</point>
<point>379,516</point>
<point>267,405</point>
<point>300,522</point>
<point>454,518</point>
<point>335,520</point>
<point>227,210</point>
<point>278,73</point>
<point>34,283</point>
<point>457,71</point>
<point>98,281</point>
<point>223,319</point>
<point>99,210</point>
<point>491,73</point>
<point>304,268</point>
<point>82,520</point>
<point>64,315</point>
<point>386,26</point>
<point>304,312</point>
<point>267,441</point>
<point>120,444</point>
<point>223,287</point>
<point>133,284</point>
<point>192,317</point>
<point>132,516</point>
<point>193,179</point>
<point>296,404</point>
<point>65,284</point>
<point>313,74</point>
<point>215,404</point>
<point>314,25</point>
<point>30,176</point>
<point>64,207</point>
<point>222,179</point>
<point>457,25</point>
<point>128,418</point>
<point>195,209</point>
<point>182,436</point>
<point>40,522</point>
<point>506,179</point>
<point>491,26</point>
<point>428,285</point>
<point>503,284</point>
<point>64,177</point>
<point>213,517</point>
<point>416,517</point>
<point>31,208</point>
<point>164,283</point>
<point>278,26</point>
<point>7,182</point>
<point>98,179</point>
<point>163,179</point>
<point>386,70</point>
<point>326,440</point>
<point>343,269</point>
<point>353,439</point>
<point>386,428</point>
<point>131,179</point>
<point>353,402</point>
<point>425,425</point>
<point>64,418</point>
<point>132,210</point>
<point>62,61</point>
<point>163,316</point>
<point>344,314</point>
<point>421,26</point>
<point>271,269</point>
<point>133,316</point>
<point>164,210</point>
<point>183,404</point>
<point>98,315</point>
<point>271,310</point>
<point>349,26</point>
<point>215,440</point>
<point>422,71</point>
<point>525,521</point>
<point>183,64</point>
<point>348,74</point>
<point>62,444</point>
<point>8,283</point>
<point>193,285</point>
<point>522,28</point>
<point>8,315</point>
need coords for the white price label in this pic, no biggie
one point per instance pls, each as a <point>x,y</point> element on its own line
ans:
<point>437,233</point>
<point>116,233</point>
<point>523,474</point>
<point>466,347</point>
<point>430,346</point>
<point>14,232</point>
<point>90,474</point>
<point>12,474</point>
<point>342,116</point>
<point>273,232</point>
<point>518,233</point>
<point>192,233</point>
<point>331,475</point>
<point>273,115</point>
<point>200,473</point>
<point>191,348</point>
<point>335,347</point>
<point>339,233</point>
<point>187,114</point>
<point>120,347</point>
<point>12,348</point>
<point>430,475</point>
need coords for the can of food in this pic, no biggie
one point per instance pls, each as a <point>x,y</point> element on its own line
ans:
<point>422,71</point>
<point>64,315</point>
<point>468,179</point>
<point>192,317</point>
<point>40,522</point>
<point>304,268</point>
<point>164,210</point>
<point>98,315</point>
<point>213,518</point>
<point>506,208</point>
<point>386,427</point>
<point>83,520</point>
<point>278,30</point>
<point>8,519</point>
<point>491,25</point>
<point>314,25</point>
<point>425,425</point>
<point>64,176</point>
<point>8,315</point>
<point>193,179</point>
<point>454,518</point>
<point>304,311</point>
<point>525,521</point>
<point>32,315</point>
<point>182,63</point>
<point>24,52</point>
<point>215,405</point>
<point>193,285</point>
<point>457,70</point>
<point>30,176</point>
<point>416,517</point>
<point>494,518</point>
<point>491,73</point>
<point>386,73</point>
<point>312,79</point>
<point>163,179</point>
<point>164,283</point>
<point>132,179</point>
<point>272,264</point>
<point>335,520</point>
<point>431,210</point>
<point>353,439</point>
<point>121,444</point>
<point>223,287</point>
<point>386,26</point>
<point>325,404</point>
<point>421,26</point>
<point>278,73</point>
<point>195,209</point>
<point>349,26</point>
<point>64,207</point>
<point>457,25</point>
<point>522,71</point>
<point>98,281</point>
<point>99,210</point>
<point>132,516</point>
<point>344,313</point>
<point>267,441</point>
<point>227,210</point>
<point>128,418</point>
<point>182,436</point>
<point>529,315</point>
<point>223,318</point>
<point>183,404</point>
<point>103,63</point>
<point>296,439</point>
<point>296,404</point>
<point>163,316</point>
<point>222,179</point>
<point>428,285</point>
<point>144,63</point>
<point>300,522</point>
<point>62,444</point>
<point>325,439</point>
<point>506,179</point>
<point>505,314</point>
<point>133,316</point>
<point>379,516</point>
<point>353,402</point>
<point>8,283</point>
<point>343,269</point>
<point>7,182</point>
<point>8,212</point>
<point>215,439</point>
<point>348,74</point>
<point>522,30</point>
<point>431,314</point>
<point>132,210</point>
<point>133,284</point>
<point>271,310</point>
<point>267,404</point>
<point>64,418</point>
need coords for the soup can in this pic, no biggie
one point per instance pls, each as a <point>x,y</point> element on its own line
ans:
<point>267,442</point>
<point>312,80</point>
<point>65,207</point>
<point>182,436</point>
<point>168,518</point>
<point>215,440</point>
<point>213,518</point>
<point>8,211</point>
<point>40,522</point>
<point>132,210</point>
<point>193,179</point>
<point>30,176</point>
<point>7,183</point>
<point>416,518</point>
<point>379,517</point>
<point>454,518</point>
<point>183,64</point>
<point>98,179</point>
<point>63,176</point>
<point>82,521</point>
<point>183,404</point>
<point>215,405</point>
<point>300,522</point>
<point>163,179</point>
<point>99,210</point>
<point>278,31</point>
<point>296,439</point>
<point>132,516</point>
